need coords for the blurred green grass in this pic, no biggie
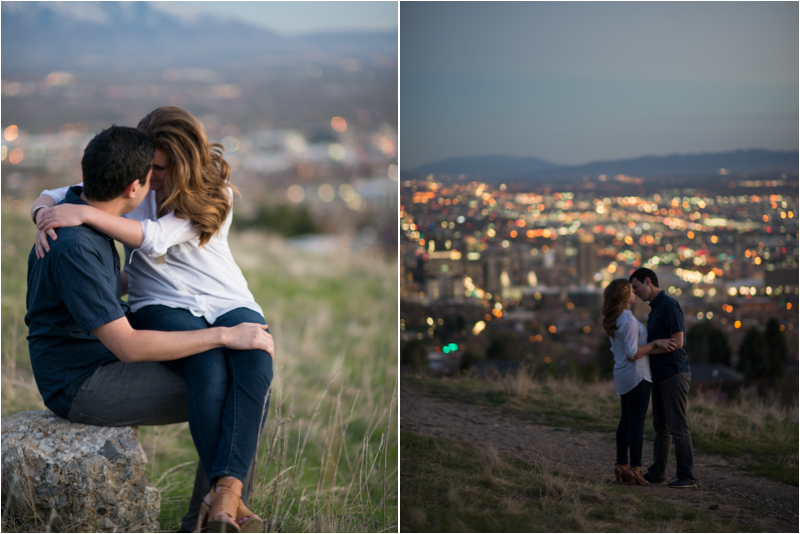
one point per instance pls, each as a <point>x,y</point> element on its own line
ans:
<point>328,458</point>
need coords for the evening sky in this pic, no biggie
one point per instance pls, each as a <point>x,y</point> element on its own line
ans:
<point>573,82</point>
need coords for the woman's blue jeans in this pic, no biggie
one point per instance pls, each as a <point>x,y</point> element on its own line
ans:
<point>630,432</point>
<point>228,389</point>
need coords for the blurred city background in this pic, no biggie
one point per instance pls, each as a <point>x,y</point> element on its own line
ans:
<point>303,98</point>
<point>677,154</point>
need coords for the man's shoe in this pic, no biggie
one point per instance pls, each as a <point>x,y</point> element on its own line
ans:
<point>653,480</point>
<point>683,483</point>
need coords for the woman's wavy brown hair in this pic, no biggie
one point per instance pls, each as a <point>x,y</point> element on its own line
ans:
<point>615,301</point>
<point>198,176</point>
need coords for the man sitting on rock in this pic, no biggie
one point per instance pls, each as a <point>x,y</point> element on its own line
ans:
<point>90,365</point>
<point>76,317</point>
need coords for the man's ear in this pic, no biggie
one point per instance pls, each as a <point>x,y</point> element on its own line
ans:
<point>131,190</point>
<point>135,186</point>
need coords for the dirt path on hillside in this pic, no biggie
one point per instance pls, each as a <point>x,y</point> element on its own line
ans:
<point>760,504</point>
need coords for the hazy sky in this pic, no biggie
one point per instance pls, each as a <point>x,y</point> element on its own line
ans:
<point>573,82</point>
<point>299,17</point>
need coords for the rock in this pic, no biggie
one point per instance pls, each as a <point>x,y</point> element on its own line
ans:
<point>76,478</point>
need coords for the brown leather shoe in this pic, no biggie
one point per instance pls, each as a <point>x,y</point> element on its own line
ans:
<point>252,523</point>
<point>226,496</point>
<point>635,475</point>
<point>621,472</point>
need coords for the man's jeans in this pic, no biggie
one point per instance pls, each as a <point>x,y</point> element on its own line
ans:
<point>631,423</point>
<point>144,393</point>
<point>669,420</point>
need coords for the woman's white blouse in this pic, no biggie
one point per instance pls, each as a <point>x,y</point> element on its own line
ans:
<point>171,269</point>
<point>625,342</point>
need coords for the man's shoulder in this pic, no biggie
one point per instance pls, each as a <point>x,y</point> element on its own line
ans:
<point>674,303</point>
<point>76,240</point>
<point>669,307</point>
<point>668,301</point>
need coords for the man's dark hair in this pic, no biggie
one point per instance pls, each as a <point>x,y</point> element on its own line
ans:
<point>113,159</point>
<point>643,272</point>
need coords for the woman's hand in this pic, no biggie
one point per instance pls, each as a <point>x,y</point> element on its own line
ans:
<point>667,344</point>
<point>61,216</point>
<point>41,244</point>
<point>247,336</point>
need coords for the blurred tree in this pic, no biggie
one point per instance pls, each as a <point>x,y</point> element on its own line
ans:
<point>708,344</point>
<point>287,220</point>
<point>415,356</point>
<point>604,359</point>
<point>471,354</point>
<point>504,346</point>
<point>461,322</point>
<point>754,354</point>
<point>777,347</point>
<point>452,325</point>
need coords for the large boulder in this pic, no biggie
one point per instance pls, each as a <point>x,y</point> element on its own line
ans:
<point>71,477</point>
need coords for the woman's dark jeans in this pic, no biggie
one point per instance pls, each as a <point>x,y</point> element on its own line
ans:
<point>228,389</point>
<point>630,432</point>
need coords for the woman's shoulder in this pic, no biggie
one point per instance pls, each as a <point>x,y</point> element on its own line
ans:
<point>625,316</point>
<point>627,321</point>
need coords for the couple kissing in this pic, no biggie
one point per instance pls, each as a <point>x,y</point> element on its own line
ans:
<point>649,360</point>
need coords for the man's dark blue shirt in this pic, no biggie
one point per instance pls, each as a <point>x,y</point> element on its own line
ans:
<point>74,289</point>
<point>665,319</point>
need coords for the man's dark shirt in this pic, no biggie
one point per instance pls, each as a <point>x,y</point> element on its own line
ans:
<point>74,289</point>
<point>665,319</point>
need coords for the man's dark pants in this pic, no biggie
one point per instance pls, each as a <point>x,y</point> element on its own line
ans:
<point>669,420</point>
<point>142,393</point>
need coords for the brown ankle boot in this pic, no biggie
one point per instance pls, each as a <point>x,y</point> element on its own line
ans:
<point>635,475</point>
<point>621,472</point>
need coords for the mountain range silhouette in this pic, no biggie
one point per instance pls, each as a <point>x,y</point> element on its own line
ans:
<point>133,35</point>
<point>521,169</point>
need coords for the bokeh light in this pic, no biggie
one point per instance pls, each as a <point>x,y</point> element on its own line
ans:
<point>339,124</point>
<point>59,79</point>
<point>326,192</point>
<point>296,143</point>
<point>11,133</point>
<point>16,156</point>
<point>346,192</point>
<point>295,193</point>
<point>336,151</point>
